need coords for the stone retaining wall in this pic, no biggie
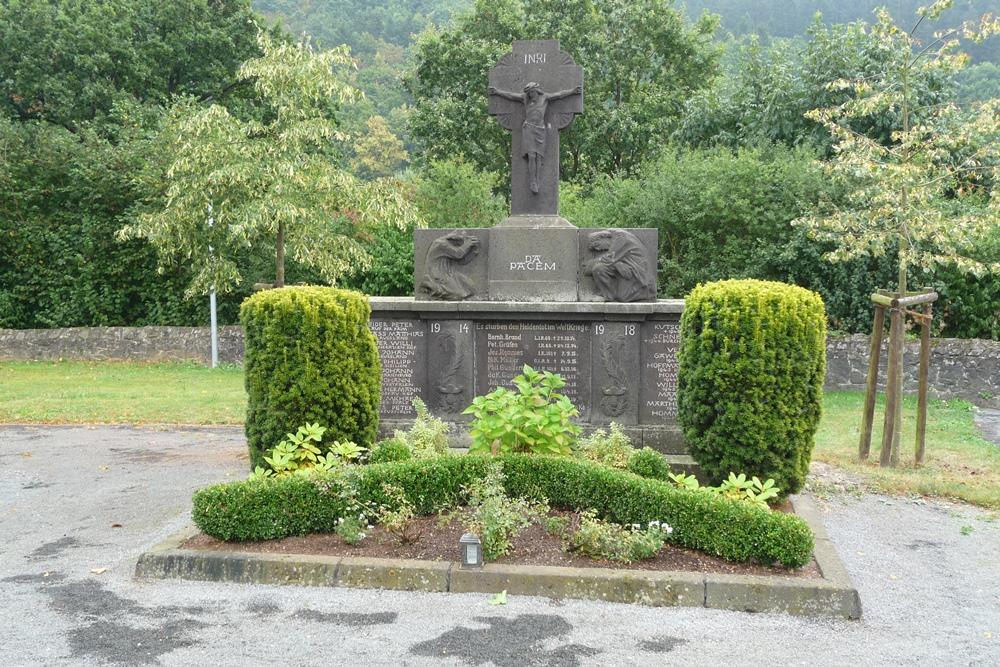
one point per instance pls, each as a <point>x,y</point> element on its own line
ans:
<point>960,368</point>
<point>121,343</point>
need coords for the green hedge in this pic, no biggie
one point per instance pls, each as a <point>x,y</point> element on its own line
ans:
<point>310,357</point>
<point>750,384</point>
<point>737,531</point>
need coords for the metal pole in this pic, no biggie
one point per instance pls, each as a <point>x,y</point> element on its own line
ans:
<point>215,330</point>
<point>211,304</point>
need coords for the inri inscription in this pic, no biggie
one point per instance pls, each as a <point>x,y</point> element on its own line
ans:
<point>503,348</point>
<point>658,399</point>
<point>402,347</point>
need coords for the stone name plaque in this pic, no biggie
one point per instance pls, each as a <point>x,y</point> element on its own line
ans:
<point>503,348</point>
<point>402,347</point>
<point>658,395</point>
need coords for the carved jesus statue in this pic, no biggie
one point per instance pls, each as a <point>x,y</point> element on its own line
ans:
<point>536,102</point>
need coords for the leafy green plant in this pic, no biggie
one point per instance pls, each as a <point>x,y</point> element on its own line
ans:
<point>298,451</point>
<point>388,451</point>
<point>495,516</point>
<point>612,449</point>
<point>346,451</point>
<point>647,462</point>
<point>734,487</point>
<point>685,481</point>
<point>557,526</point>
<point>535,418</point>
<point>428,437</point>
<point>397,516</point>
<point>352,526</point>
<point>604,540</point>
<point>752,490</point>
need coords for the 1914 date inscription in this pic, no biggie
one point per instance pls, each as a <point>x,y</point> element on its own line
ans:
<point>503,348</point>
<point>402,347</point>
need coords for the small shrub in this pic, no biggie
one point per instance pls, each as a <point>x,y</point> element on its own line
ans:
<point>389,451</point>
<point>428,436</point>
<point>752,365</point>
<point>649,463</point>
<point>612,449</point>
<point>397,518</point>
<point>299,453</point>
<point>309,358</point>
<point>535,418</point>
<point>603,540</point>
<point>496,517</point>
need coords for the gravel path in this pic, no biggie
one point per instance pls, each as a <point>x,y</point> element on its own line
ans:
<point>928,573</point>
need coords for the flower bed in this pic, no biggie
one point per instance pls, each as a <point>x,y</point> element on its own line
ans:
<point>272,508</point>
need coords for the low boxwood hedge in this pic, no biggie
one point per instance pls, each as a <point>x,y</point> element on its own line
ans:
<point>737,531</point>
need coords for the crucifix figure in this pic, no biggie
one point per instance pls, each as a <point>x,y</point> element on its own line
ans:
<point>533,129</point>
<point>534,116</point>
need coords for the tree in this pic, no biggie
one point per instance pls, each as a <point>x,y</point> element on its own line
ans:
<point>922,196</point>
<point>766,90</point>
<point>69,61</point>
<point>641,61</point>
<point>378,152</point>
<point>233,184</point>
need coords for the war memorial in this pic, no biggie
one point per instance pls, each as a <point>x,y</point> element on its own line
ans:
<point>534,289</point>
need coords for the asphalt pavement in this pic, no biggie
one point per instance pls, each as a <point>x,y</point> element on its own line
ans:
<point>79,504</point>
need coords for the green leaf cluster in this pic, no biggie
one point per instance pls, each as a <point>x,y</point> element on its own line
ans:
<point>603,540</point>
<point>294,505</point>
<point>310,358</point>
<point>752,365</point>
<point>496,517</point>
<point>535,418</point>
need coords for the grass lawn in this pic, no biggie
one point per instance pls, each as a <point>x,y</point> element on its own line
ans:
<point>116,393</point>
<point>960,464</point>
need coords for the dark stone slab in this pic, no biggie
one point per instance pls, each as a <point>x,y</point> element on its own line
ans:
<point>503,348</point>
<point>615,355</point>
<point>631,251</point>
<point>450,264</point>
<point>402,347</point>
<point>664,439</point>
<point>533,264</point>
<point>450,367</point>
<point>658,392</point>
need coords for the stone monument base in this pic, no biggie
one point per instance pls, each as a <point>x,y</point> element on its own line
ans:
<point>619,359</point>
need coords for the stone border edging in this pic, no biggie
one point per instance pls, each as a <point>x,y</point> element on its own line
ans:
<point>832,595</point>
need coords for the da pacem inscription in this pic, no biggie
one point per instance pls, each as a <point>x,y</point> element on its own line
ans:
<point>503,348</point>
<point>658,395</point>
<point>402,347</point>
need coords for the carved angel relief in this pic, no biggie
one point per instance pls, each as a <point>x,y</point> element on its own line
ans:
<point>448,386</point>
<point>615,400</point>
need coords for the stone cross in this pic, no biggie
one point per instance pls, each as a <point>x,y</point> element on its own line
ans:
<point>535,91</point>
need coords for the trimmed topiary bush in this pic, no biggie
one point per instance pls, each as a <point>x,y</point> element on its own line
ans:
<point>310,358</point>
<point>647,462</point>
<point>752,364</point>
<point>390,451</point>
<point>278,507</point>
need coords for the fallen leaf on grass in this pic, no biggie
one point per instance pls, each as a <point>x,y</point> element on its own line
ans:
<point>499,598</point>
<point>99,570</point>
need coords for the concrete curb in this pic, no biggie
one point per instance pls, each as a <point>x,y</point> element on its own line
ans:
<point>831,595</point>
